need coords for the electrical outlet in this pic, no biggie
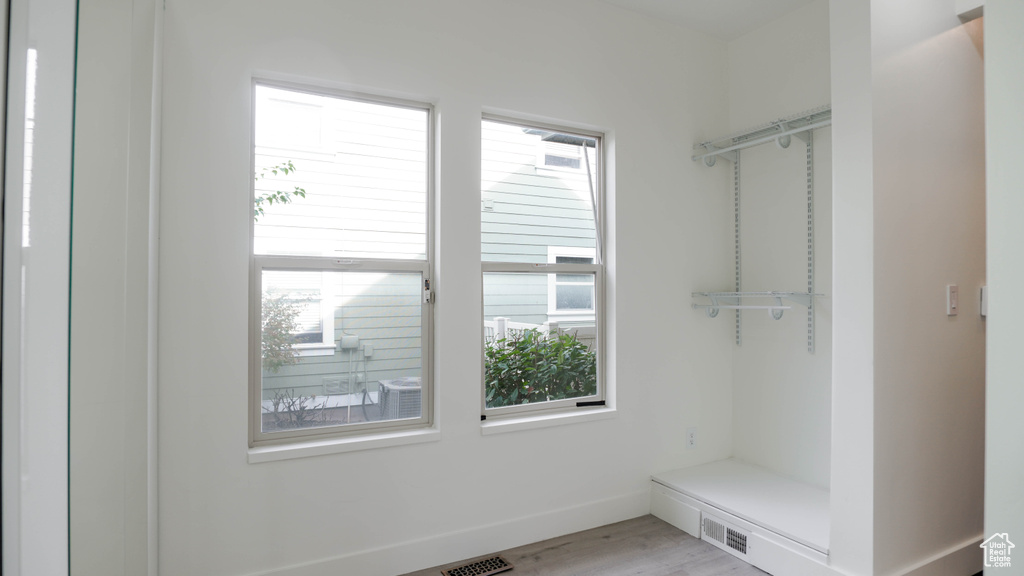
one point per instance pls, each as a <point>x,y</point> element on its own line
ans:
<point>691,438</point>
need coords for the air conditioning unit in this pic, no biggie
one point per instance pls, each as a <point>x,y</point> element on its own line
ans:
<point>401,398</point>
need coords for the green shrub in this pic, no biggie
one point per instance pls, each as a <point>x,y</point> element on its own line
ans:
<point>530,367</point>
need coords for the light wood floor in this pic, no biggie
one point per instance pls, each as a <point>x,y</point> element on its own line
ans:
<point>644,545</point>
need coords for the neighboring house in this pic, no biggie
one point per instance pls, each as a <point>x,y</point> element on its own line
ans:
<point>538,199</point>
<point>349,211</point>
<point>537,207</point>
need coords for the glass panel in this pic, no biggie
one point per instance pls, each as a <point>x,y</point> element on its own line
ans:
<point>552,160</point>
<point>527,358</point>
<point>573,260</point>
<point>573,297</point>
<point>338,177</point>
<point>374,373</point>
<point>529,206</point>
<point>575,278</point>
<point>520,297</point>
<point>300,293</point>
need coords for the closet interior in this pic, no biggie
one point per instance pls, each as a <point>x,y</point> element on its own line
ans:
<point>769,503</point>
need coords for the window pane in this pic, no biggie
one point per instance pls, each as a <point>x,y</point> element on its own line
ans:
<point>573,260</point>
<point>527,358</point>
<point>529,204</point>
<point>551,160</point>
<point>359,184</point>
<point>300,293</point>
<point>575,278</point>
<point>374,372</point>
<point>572,297</point>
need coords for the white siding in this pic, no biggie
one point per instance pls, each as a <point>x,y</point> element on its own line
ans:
<point>363,168</point>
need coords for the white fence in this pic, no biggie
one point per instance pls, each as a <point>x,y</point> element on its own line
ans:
<point>502,328</point>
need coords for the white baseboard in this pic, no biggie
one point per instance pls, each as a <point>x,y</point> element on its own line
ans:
<point>668,505</point>
<point>474,541</point>
<point>963,559</point>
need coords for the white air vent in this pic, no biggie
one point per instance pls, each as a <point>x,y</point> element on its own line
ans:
<point>736,540</point>
<point>729,538</point>
<point>714,530</point>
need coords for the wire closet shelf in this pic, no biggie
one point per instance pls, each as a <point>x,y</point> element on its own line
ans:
<point>781,132</point>
<point>735,301</point>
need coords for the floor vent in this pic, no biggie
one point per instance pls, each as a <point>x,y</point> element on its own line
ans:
<point>728,538</point>
<point>485,567</point>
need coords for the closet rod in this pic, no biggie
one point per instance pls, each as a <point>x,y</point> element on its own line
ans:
<point>762,140</point>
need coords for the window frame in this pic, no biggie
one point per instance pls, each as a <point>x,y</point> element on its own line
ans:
<point>597,268</point>
<point>260,262</point>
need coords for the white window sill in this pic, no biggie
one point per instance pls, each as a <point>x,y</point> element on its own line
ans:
<point>535,421</point>
<point>340,445</point>
<point>303,350</point>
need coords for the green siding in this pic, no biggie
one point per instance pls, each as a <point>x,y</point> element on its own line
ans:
<point>384,311</point>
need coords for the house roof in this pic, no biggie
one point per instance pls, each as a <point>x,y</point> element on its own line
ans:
<point>560,138</point>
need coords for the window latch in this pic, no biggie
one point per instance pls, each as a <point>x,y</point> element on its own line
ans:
<point>428,294</point>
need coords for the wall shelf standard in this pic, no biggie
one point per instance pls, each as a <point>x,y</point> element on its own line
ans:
<point>781,132</point>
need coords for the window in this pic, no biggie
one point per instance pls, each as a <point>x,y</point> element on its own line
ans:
<point>571,296</point>
<point>542,268</point>
<point>341,247</point>
<point>559,156</point>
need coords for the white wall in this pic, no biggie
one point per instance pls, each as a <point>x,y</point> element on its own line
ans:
<point>929,159</point>
<point>914,88</point>
<point>386,511</point>
<point>782,406</point>
<point>852,472</point>
<point>1004,124</point>
<point>112,386</point>
<point>780,69</point>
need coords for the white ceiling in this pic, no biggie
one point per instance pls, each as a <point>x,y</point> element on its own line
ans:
<point>724,19</point>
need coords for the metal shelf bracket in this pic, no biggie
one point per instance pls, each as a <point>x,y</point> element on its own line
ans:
<point>713,153</point>
<point>735,301</point>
